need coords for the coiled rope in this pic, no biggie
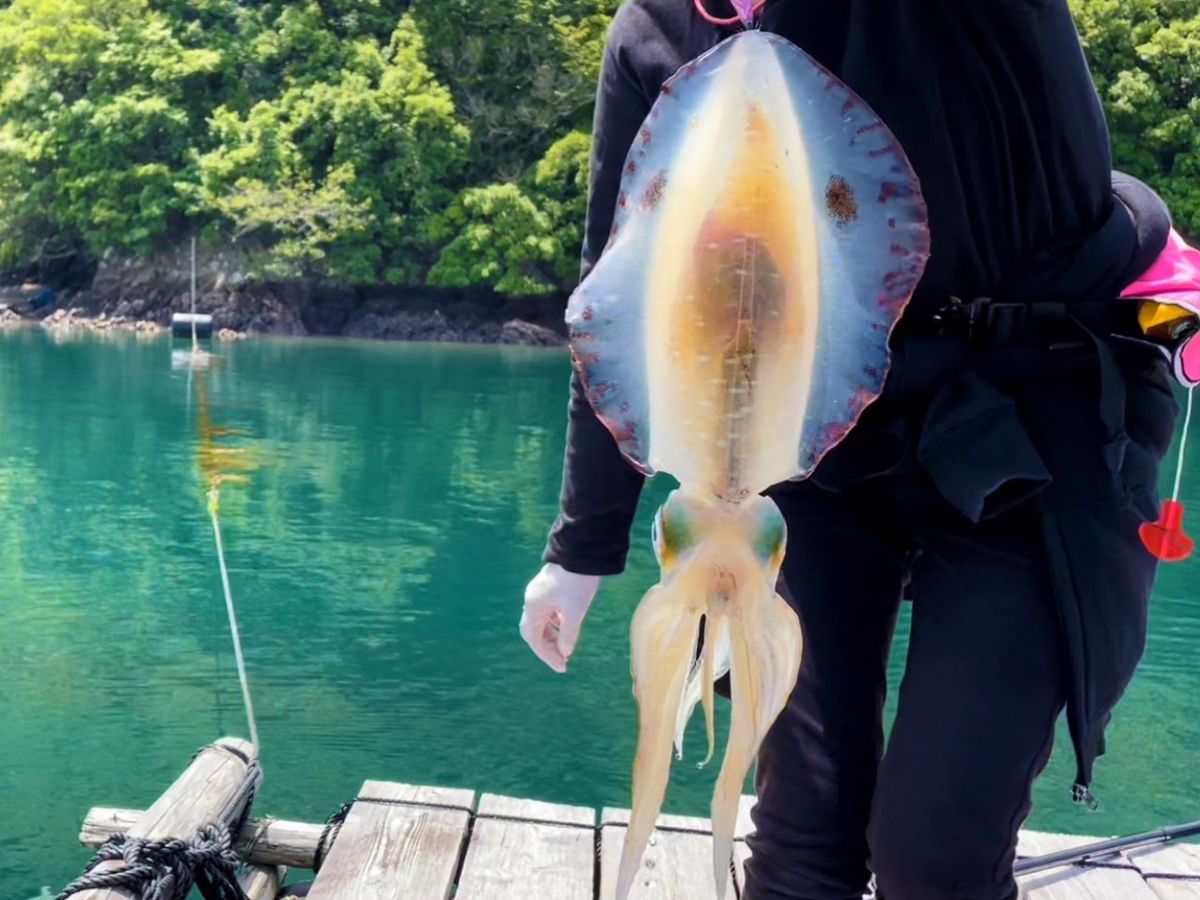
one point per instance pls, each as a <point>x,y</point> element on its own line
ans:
<point>165,870</point>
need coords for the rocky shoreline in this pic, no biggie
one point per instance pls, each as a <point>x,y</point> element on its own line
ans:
<point>141,296</point>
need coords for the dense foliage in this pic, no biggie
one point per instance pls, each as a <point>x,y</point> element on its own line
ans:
<point>1145,58</point>
<point>389,141</point>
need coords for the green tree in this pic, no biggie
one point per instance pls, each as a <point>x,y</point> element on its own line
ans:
<point>501,240</point>
<point>559,185</point>
<point>1145,57</point>
<point>519,238</point>
<point>344,172</point>
<point>98,114</point>
<point>523,72</point>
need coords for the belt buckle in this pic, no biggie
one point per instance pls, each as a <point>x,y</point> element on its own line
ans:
<point>959,317</point>
<point>977,319</point>
<point>1004,322</point>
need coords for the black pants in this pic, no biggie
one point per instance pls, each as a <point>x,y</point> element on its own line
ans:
<point>937,816</point>
<point>1034,567</point>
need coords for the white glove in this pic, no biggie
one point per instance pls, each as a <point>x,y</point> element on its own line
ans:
<point>555,603</point>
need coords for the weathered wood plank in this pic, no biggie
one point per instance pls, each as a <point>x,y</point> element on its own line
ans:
<point>610,816</point>
<point>494,806</point>
<point>417,795</point>
<point>264,842</point>
<point>1075,882</point>
<point>1040,843</point>
<point>398,841</point>
<point>1179,860</point>
<point>262,882</point>
<point>212,789</point>
<point>677,863</point>
<point>523,849</point>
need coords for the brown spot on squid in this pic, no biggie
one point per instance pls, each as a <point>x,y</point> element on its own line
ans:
<point>840,201</point>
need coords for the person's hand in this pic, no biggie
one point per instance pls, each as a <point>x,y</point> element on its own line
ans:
<point>555,603</point>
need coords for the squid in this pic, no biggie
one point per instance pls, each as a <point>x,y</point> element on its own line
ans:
<point>768,234</point>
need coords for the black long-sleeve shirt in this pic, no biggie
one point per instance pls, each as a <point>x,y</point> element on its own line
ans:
<point>991,99</point>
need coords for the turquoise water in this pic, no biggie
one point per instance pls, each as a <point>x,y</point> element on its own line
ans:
<point>378,558</point>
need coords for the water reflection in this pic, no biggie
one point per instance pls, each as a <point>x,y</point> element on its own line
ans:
<point>378,558</point>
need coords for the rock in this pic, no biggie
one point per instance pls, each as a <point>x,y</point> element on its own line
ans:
<point>517,331</point>
<point>57,320</point>
<point>484,333</point>
<point>323,309</point>
<point>249,310</point>
<point>127,292</point>
<point>403,326</point>
<point>228,334</point>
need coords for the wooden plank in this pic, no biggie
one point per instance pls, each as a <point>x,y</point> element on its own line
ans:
<point>610,816</point>
<point>398,841</point>
<point>262,882</point>
<point>522,849</point>
<point>1075,882</point>
<point>1179,861</point>
<point>394,792</point>
<point>212,789</point>
<point>264,842</point>
<point>494,806</point>
<point>677,863</point>
<point>1039,843</point>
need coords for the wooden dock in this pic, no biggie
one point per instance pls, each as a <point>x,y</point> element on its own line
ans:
<point>399,842</point>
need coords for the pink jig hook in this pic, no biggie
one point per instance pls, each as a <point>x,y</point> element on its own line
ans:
<point>746,11</point>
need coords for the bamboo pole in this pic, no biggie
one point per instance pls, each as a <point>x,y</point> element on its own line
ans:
<point>263,842</point>
<point>262,882</point>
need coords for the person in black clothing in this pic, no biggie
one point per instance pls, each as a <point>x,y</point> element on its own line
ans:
<point>998,482</point>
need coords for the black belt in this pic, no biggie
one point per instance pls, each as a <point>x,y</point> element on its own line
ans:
<point>1007,341</point>
<point>985,322</point>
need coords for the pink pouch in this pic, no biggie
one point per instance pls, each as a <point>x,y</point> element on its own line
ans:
<point>1175,279</point>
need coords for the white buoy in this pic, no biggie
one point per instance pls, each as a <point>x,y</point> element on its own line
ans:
<point>197,326</point>
<point>182,325</point>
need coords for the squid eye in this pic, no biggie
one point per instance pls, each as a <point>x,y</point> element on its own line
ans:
<point>672,533</point>
<point>771,538</point>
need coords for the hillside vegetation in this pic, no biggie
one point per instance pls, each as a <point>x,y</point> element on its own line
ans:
<point>374,141</point>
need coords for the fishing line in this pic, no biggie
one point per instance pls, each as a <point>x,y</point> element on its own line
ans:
<point>195,340</point>
<point>1183,438</point>
<point>213,507</point>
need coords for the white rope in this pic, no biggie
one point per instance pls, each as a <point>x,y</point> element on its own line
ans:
<point>213,499</point>
<point>1183,437</point>
<point>195,342</point>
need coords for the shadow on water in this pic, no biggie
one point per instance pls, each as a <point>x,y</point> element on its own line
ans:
<point>378,556</point>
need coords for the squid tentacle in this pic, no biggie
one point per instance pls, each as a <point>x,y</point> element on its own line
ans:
<point>664,639</point>
<point>766,643</point>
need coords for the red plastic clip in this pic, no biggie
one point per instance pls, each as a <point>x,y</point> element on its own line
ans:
<point>1165,538</point>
